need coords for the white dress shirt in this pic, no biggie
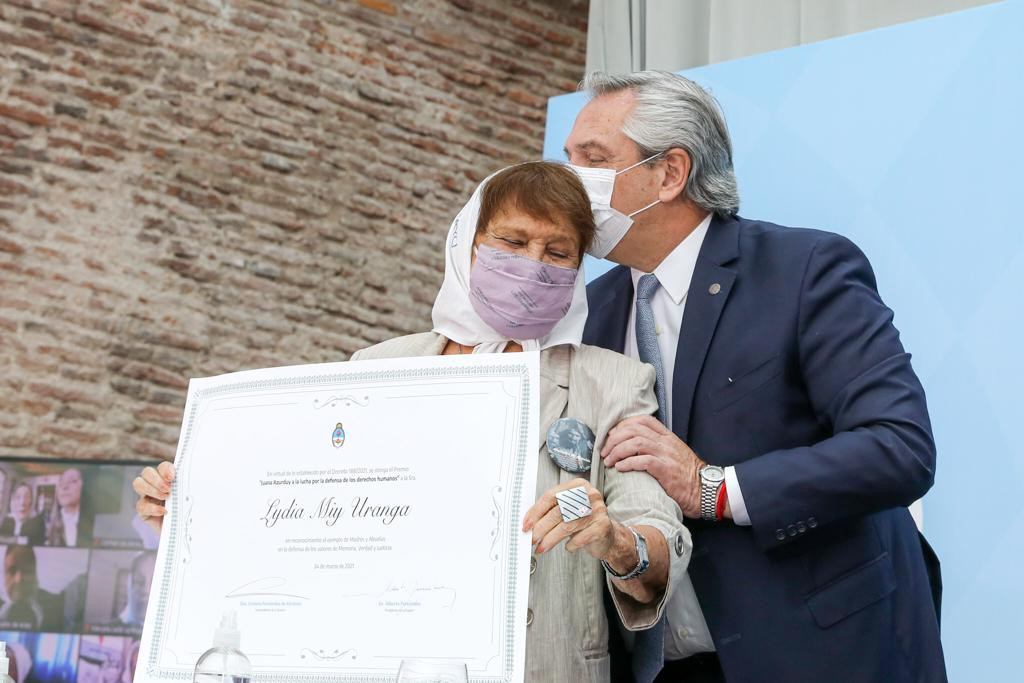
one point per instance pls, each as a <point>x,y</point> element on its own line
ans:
<point>668,303</point>
<point>687,631</point>
<point>70,526</point>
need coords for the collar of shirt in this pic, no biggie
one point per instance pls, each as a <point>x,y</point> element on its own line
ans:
<point>70,518</point>
<point>675,271</point>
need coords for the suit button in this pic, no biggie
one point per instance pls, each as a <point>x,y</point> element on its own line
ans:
<point>801,527</point>
<point>780,534</point>
<point>679,545</point>
<point>529,617</point>
<point>792,530</point>
<point>812,522</point>
<point>533,564</point>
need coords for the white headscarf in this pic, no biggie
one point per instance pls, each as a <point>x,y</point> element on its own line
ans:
<point>453,314</point>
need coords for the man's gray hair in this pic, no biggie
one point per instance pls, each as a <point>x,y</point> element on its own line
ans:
<point>673,111</point>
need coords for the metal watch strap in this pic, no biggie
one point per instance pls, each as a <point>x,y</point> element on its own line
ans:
<point>642,563</point>
<point>709,499</point>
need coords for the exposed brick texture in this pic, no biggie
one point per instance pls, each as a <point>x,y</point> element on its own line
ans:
<point>191,187</point>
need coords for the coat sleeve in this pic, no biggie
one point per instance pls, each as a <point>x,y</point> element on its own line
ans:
<point>635,499</point>
<point>861,385</point>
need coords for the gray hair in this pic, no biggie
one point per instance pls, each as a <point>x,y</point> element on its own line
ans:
<point>673,111</point>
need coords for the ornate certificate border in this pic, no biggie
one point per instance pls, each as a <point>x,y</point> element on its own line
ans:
<point>525,449</point>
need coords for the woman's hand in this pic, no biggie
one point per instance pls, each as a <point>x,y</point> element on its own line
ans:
<point>595,533</point>
<point>602,537</point>
<point>153,486</point>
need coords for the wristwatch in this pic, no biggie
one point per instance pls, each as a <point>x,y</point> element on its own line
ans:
<point>642,564</point>
<point>712,479</point>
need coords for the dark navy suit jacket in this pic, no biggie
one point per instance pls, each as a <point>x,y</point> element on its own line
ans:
<point>789,368</point>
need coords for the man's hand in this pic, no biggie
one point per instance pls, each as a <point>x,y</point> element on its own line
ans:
<point>643,443</point>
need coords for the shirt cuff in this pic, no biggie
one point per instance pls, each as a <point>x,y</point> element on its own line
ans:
<point>637,616</point>
<point>736,504</point>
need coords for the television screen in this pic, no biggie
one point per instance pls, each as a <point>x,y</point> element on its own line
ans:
<point>77,567</point>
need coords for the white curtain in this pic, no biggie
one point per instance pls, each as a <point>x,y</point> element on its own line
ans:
<point>630,35</point>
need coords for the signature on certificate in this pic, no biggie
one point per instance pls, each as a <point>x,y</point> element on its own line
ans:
<point>266,587</point>
<point>396,593</point>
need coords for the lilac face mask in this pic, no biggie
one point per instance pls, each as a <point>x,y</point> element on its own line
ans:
<point>519,297</point>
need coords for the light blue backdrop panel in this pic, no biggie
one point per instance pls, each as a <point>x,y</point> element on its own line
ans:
<point>909,141</point>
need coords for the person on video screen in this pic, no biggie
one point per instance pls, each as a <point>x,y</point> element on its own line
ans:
<point>19,662</point>
<point>131,660</point>
<point>139,582</point>
<point>27,604</point>
<point>71,521</point>
<point>21,524</point>
<point>112,670</point>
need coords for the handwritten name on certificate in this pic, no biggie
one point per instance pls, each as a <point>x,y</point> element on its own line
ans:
<point>353,515</point>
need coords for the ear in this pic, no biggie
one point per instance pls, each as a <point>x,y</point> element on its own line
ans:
<point>677,170</point>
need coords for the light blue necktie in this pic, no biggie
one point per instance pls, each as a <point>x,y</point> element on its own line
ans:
<point>647,339</point>
<point>649,645</point>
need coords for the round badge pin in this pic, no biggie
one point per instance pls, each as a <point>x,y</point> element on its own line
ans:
<point>571,444</point>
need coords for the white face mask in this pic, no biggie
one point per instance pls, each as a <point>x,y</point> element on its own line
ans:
<point>612,224</point>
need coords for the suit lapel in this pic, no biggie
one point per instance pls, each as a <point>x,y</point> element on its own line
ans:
<point>709,291</point>
<point>607,319</point>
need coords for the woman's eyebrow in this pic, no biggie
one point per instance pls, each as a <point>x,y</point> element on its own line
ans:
<point>510,229</point>
<point>507,229</point>
<point>559,240</point>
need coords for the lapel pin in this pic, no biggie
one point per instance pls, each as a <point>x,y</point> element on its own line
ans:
<point>714,289</point>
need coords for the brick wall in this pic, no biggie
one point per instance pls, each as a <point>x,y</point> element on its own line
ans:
<point>191,187</point>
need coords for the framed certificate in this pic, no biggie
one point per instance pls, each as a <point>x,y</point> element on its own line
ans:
<point>353,515</point>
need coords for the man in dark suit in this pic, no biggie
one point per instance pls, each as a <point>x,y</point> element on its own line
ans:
<point>797,432</point>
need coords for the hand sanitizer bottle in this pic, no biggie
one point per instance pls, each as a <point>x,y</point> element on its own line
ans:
<point>224,662</point>
<point>5,665</point>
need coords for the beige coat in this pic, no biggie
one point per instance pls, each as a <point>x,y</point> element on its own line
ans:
<point>567,632</point>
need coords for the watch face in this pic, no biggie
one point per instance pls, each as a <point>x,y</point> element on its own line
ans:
<point>712,474</point>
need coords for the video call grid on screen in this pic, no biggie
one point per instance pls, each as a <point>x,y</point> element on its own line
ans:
<point>77,568</point>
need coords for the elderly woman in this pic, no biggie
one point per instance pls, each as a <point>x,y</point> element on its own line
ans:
<point>513,283</point>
